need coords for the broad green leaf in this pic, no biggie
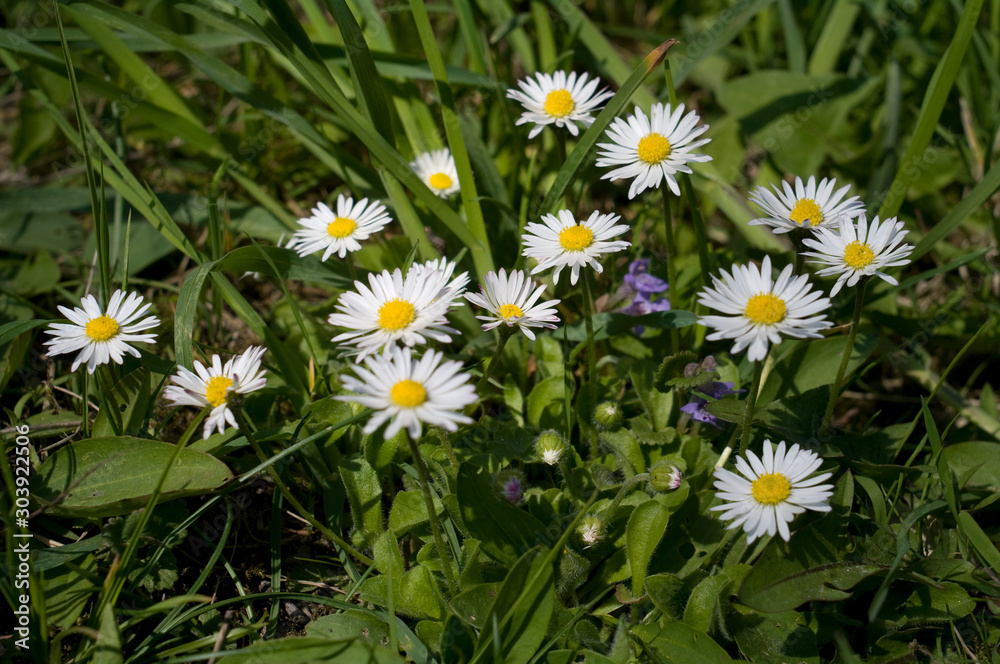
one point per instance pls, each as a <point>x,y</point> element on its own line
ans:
<point>980,541</point>
<point>414,592</point>
<point>610,324</point>
<point>126,407</point>
<point>505,531</point>
<point>68,588</point>
<point>409,511</point>
<point>773,637</point>
<point>359,625</point>
<point>803,365</point>
<point>111,476</point>
<point>108,648</point>
<point>550,392</point>
<point>645,528</point>
<point>677,643</point>
<point>975,464</point>
<point>668,594</point>
<point>364,493</point>
<point>710,598</point>
<point>300,650</point>
<point>626,449</point>
<point>929,604</point>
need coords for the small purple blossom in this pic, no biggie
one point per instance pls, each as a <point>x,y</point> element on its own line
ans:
<point>696,407</point>
<point>641,281</point>
<point>512,488</point>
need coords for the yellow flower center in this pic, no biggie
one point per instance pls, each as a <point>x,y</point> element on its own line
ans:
<point>858,255</point>
<point>102,328</point>
<point>341,227</point>
<point>653,148</point>
<point>806,210</point>
<point>408,393</point>
<point>440,181</point>
<point>395,315</point>
<point>559,103</point>
<point>765,309</point>
<point>576,238</point>
<point>215,390</point>
<point>771,489</point>
<point>509,311</point>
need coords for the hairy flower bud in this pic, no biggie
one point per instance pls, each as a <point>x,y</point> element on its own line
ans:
<point>591,530</point>
<point>550,447</point>
<point>665,477</point>
<point>608,416</point>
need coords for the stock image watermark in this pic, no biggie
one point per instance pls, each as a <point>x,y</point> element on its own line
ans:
<point>22,547</point>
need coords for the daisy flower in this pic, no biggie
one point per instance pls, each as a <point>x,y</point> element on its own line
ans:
<point>513,300</point>
<point>560,241</point>
<point>340,232</point>
<point>559,99</point>
<point>860,251</point>
<point>761,310</point>
<point>102,336</point>
<point>213,386</point>
<point>410,391</point>
<point>806,206</point>
<point>771,490</point>
<point>393,309</point>
<point>653,149</point>
<point>437,170</point>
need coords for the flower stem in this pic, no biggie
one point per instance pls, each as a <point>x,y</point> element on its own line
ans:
<point>758,367</point>
<point>425,488</point>
<point>505,332</point>
<point>620,496</point>
<point>245,429</point>
<point>671,266</point>
<point>591,355</point>
<point>846,359</point>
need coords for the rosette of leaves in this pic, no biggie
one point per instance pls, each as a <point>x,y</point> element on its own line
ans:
<point>683,371</point>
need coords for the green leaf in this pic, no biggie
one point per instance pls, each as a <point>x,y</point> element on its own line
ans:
<point>935,97</point>
<point>668,594</point>
<point>804,365</point>
<point>980,541</point>
<point>928,604</point>
<point>409,511</point>
<point>364,493</point>
<point>505,531</point>
<point>111,476</point>
<point>645,528</point>
<point>14,329</point>
<point>773,637</point>
<point>677,643</point>
<point>975,464</point>
<point>522,609</point>
<point>550,392</point>
<point>626,449</point>
<point>300,650</point>
<point>125,408</point>
<point>350,624</point>
<point>710,598</point>
<point>68,588</point>
<point>108,648</point>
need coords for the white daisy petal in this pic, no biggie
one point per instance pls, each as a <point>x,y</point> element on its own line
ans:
<point>102,336</point>
<point>339,233</point>
<point>512,300</point>
<point>411,391</point>
<point>560,241</point>
<point>761,311</point>
<point>861,250</point>
<point>768,503</point>
<point>213,387</point>
<point>652,150</point>
<point>805,206</point>
<point>559,100</point>
<point>437,170</point>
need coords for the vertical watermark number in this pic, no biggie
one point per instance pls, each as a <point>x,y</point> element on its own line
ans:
<point>22,547</point>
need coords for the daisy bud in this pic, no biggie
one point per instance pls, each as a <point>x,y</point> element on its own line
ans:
<point>550,447</point>
<point>608,416</point>
<point>591,530</point>
<point>510,484</point>
<point>665,477</point>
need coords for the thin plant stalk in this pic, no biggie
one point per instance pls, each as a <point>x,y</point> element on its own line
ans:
<point>505,332</point>
<point>591,354</point>
<point>751,405</point>
<point>671,266</point>
<point>244,426</point>
<point>425,488</point>
<point>697,223</point>
<point>846,359</point>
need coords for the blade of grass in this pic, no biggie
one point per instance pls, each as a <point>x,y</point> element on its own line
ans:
<point>96,203</point>
<point>794,44</point>
<point>833,38</point>
<point>480,250</point>
<point>588,142</point>
<point>930,111</point>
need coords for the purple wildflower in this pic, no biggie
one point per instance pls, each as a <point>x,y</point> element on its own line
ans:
<point>641,281</point>
<point>696,407</point>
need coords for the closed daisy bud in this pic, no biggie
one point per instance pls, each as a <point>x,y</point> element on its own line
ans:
<point>665,477</point>
<point>550,447</point>
<point>608,416</point>
<point>510,485</point>
<point>591,530</point>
